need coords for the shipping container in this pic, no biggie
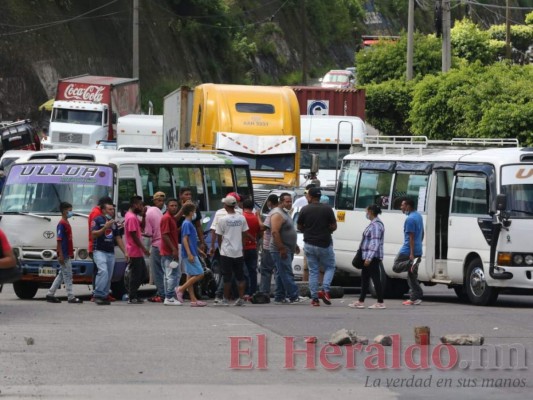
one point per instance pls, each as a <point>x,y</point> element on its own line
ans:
<point>328,101</point>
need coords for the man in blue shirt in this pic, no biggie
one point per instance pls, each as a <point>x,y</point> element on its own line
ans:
<point>409,256</point>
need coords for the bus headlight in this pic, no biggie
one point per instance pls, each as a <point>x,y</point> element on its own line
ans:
<point>529,259</point>
<point>83,254</point>
<point>518,259</point>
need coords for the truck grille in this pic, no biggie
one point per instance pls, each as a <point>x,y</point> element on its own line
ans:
<point>66,137</point>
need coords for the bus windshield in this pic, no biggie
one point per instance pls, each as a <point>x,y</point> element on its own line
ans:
<point>327,156</point>
<point>40,188</point>
<point>82,117</point>
<point>519,200</point>
<point>276,162</point>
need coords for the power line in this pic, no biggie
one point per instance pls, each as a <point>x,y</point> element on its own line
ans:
<point>474,2</point>
<point>33,28</point>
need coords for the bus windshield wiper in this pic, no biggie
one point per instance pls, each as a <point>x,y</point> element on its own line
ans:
<point>522,211</point>
<point>28,214</point>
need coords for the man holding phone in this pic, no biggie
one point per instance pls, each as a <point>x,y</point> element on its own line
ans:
<point>105,236</point>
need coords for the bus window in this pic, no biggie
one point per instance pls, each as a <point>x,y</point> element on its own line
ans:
<point>374,188</point>
<point>219,182</point>
<point>190,177</point>
<point>126,190</point>
<point>412,186</point>
<point>347,182</point>
<point>155,178</point>
<point>244,186</point>
<point>470,195</point>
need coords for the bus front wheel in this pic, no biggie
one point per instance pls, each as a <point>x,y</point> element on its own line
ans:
<point>478,291</point>
<point>25,290</point>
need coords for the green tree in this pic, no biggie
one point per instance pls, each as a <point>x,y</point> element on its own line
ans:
<point>471,43</point>
<point>521,35</point>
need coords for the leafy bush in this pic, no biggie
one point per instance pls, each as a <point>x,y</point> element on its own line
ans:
<point>521,35</point>
<point>471,43</point>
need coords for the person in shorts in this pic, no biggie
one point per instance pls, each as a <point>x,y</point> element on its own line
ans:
<point>189,255</point>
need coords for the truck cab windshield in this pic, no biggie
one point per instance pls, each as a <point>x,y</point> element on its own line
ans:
<point>83,117</point>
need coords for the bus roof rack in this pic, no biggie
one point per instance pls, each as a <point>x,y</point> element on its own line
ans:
<point>419,143</point>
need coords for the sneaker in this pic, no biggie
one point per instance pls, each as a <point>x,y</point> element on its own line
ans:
<point>282,301</point>
<point>75,300</point>
<point>111,298</point>
<point>325,297</point>
<point>239,303</point>
<point>135,301</point>
<point>198,303</point>
<point>101,302</point>
<point>412,302</point>
<point>52,299</point>
<point>298,300</point>
<point>414,266</point>
<point>247,297</point>
<point>93,299</point>
<point>156,299</point>
<point>179,295</point>
<point>378,306</point>
<point>315,303</point>
<point>172,302</point>
<point>217,300</point>
<point>222,303</point>
<point>357,304</point>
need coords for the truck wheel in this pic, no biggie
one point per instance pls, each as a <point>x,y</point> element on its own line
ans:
<point>460,291</point>
<point>478,291</point>
<point>25,290</point>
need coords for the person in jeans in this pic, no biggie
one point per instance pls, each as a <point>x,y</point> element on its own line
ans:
<point>317,222</point>
<point>170,252</point>
<point>282,248</point>
<point>189,254</point>
<point>267,264</point>
<point>231,233</point>
<point>105,236</point>
<point>250,246</point>
<point>65,252</point>
<point>409,256</point>
<point>372,249</point>
<point>135,248</point>
<point>152,230</point>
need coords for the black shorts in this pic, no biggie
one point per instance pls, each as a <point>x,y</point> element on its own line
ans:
<point>232,266</point>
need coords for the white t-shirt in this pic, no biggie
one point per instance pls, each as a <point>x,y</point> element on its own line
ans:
<point>300,202</point>
<point>220,214</point>
<point>231,227</point>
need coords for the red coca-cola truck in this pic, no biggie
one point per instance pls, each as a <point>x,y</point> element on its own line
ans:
<point>87,107</point>
<point>330,101</point>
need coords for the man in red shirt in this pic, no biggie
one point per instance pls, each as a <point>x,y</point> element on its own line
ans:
<point>170,252</point>
<point>250,246</point>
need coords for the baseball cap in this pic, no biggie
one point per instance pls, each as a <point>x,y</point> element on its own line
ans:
<point>230,201</point>
<point>235,195</point>
<point>159,195</point>
<point>315,192</point>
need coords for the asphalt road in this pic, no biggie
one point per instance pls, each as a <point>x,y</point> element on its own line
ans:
<point>85,351</point>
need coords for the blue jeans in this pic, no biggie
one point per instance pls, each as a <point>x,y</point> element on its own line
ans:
<point>64,274</point>
<point>158,272</point>
<point>284,276</point>
<point>267,268</point>
<point>250,260</point>
<point>319,257</point>
<point>171,276</point>
<point>105,263</point>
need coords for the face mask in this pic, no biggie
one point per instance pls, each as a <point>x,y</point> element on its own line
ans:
<point>70,214</point>
<point>108,217</point>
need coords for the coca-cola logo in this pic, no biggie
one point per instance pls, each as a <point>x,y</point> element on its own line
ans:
<point>90,93</point>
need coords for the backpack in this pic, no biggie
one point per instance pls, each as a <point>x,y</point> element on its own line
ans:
<point>260,298</point>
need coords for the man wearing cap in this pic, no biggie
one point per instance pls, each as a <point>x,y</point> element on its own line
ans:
<point>317,222</point>
<point>231,234</point>
<point>152,230</point>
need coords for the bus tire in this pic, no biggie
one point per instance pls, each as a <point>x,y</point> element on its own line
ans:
<point>460,291</point>
<point>119,289</point>
<point>25,290</point>
<point>479,293</point>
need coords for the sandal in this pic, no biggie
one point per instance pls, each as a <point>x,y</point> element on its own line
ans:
<point>198,303</point>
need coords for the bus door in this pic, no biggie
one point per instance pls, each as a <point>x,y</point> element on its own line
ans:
<point>471,194</point>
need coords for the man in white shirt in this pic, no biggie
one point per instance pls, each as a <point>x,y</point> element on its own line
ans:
<point>231,232</point>
<point>304,200</point>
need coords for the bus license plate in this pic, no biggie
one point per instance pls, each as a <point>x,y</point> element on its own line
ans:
<point>47,271</point>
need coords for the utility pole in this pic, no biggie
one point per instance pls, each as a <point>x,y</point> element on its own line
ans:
<point>507,30</point>
<point>446,36</point>
<point>410,39</point>
<point>135,61</point>
<point>304,42</point>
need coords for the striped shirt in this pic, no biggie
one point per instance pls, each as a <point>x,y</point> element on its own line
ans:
<point>372,244</point>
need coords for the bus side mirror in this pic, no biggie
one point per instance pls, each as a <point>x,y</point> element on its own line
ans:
<point>501,202</point>
<point>314,163</point>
